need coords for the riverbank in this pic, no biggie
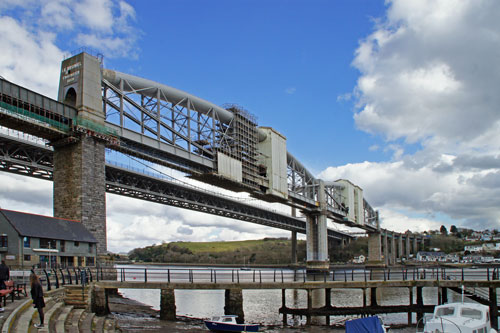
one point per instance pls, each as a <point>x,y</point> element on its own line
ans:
<point>133,316</point>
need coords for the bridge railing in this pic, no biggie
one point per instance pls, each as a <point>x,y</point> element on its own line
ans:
<point>56,278</point>
<point>247,275</point>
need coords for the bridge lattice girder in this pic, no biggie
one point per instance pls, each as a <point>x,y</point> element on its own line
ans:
<point>36,160</point>
<point>172,134</point>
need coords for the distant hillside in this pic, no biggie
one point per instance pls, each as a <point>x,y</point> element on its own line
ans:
<point>264,251</point>
<point>252,252</point>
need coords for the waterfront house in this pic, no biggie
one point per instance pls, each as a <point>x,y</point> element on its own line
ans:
<point>34,240</point>
<point>452,258</point>
<point>473,248</point>
<point>431,256</point>
<point>359,259</point>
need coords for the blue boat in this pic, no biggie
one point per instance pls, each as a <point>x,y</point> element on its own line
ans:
<point>228,323</point>
<point>365,325</point>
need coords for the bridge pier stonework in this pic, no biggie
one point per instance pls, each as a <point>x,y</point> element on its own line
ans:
<point>79,163</point>
<point>375,248</point>
<point>234,303</point>
<point>80,186</point>
<point>167,304</point>
<point>317,235</point>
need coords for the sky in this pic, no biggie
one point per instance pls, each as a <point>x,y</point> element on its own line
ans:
<point>398,96</point>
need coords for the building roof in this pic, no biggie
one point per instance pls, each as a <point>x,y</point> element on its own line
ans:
<point>431,254</point>
<point>32,225</point>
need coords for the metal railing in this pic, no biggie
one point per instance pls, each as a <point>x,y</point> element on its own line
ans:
<point>236,275</point>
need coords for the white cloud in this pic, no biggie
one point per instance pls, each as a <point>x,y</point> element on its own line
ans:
<point>95,14</point>
<point>291,90</point>
<point>34,38</point>
<point>428,78</point>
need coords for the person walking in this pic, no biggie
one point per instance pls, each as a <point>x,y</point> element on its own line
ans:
<point>4,274</point>
<point>37,296</point>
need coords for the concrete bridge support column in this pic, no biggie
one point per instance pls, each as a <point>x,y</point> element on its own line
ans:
<point>386,249</point>
<point>167,304</point>
<point>234,303</point>
<point>294,239</point>
<point>99,301</point>
<point>294,247</point>
<point>400,247</point>
<point>408,250</point>
<point>317,235</point>
<point>393,250</point>
<point>415,245</point>
<point>79,165</point>
<point>80,186</point>
<point>374,248</point>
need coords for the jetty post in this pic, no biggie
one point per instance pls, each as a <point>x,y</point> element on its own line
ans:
<point>167,304</point>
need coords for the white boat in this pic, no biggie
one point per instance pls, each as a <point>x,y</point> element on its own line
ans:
<point>459,318</point>
<point>227,323</point>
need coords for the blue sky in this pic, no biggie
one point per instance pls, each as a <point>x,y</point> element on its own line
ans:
<point>398,96</point>
<point>287,62</point>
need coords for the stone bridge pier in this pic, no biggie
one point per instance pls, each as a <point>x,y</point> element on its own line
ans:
<point>387,247</point>
<point>317,235</point>
<point>79,162</point>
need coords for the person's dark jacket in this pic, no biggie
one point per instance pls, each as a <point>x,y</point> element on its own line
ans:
<point>37,295</point>
<point>4,272</point>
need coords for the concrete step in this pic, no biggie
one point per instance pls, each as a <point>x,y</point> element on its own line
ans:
<point>86,323</point>
<point>10,321</point>
<point>109,325</point>
<point>76,299</point>
<point>77,305</point>
<point>61,319</point>
<point>51,317</point>
<point>24,323</point>
<point>99,324</point>
<point>73,320</point>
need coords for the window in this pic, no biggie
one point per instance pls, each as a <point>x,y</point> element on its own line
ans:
<point>77,244</point>
<point>46,243</point>
<point>90,261</point>
<point>471,313</point>
<point>27,242</point>
<point>4,241</point>
<point>62,245</point>
<point>27,257</point>
<point>445,312</point>
<point>90,247</point>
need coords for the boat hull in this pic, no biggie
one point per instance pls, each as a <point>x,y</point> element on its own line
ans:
<point>223,327</point>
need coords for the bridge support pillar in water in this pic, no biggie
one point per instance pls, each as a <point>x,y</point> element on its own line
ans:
<point>294,247</point>
<point>99,301</point>
<point>375,248</point>
<point>234,303</point>
<point>167,304</point>
<point>317,235</point>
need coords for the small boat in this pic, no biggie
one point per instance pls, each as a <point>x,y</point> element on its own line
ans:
<point>365,325</point>
<point>227,323</point>
<point>460,318</point>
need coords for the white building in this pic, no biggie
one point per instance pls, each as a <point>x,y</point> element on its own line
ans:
<point>473,248</point>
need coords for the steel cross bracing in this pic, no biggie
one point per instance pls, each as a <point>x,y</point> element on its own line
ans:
<point>150,112</point>
<point>32,159</point>
<point>173,134</point>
